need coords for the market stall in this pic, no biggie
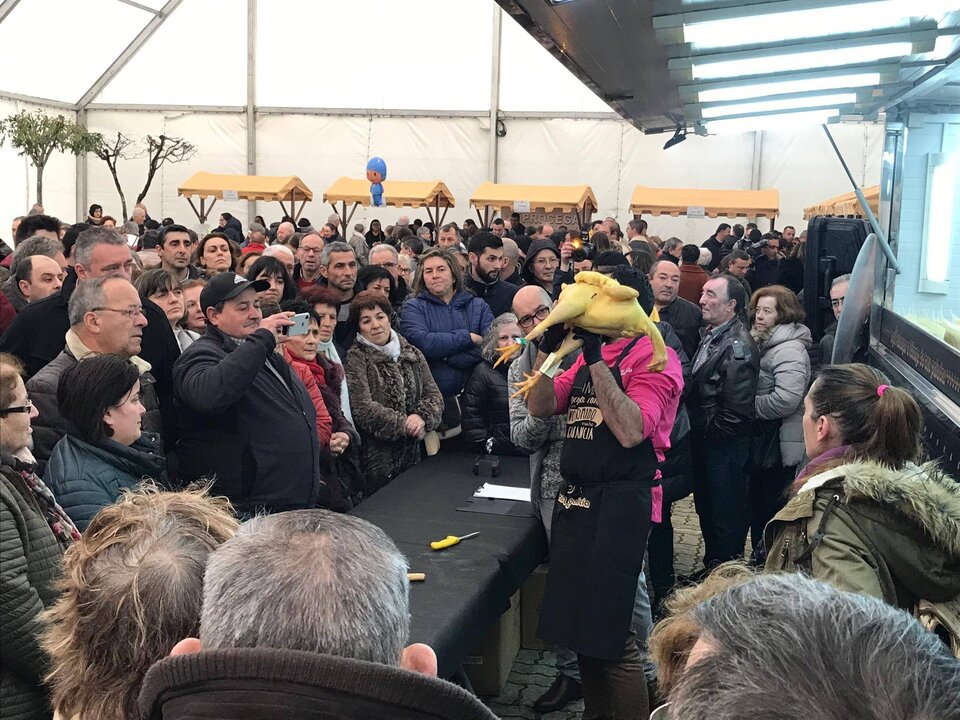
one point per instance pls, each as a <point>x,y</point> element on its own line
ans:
<point>696,203</point>
<point>846,205</point>
<point>537,204</point>
<point>269,188</point>
<point>354,192</point>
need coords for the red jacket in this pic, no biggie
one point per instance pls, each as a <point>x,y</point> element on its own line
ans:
<point>324,421</point>
<point>692,278</point>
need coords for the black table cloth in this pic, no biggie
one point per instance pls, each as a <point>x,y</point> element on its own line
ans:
<point>469,585</point>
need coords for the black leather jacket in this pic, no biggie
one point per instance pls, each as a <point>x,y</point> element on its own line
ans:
<point>723,388</point>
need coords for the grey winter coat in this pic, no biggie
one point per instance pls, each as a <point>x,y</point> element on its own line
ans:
<point>541,437</point>
<point>781,385</point>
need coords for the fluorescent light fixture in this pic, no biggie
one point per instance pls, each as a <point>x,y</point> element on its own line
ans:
<point>771,122</point>
<point>811,23</point>
<point>803,60</point>
<point>774,105</point>
<point>938,221</point>
<point>744,92</point>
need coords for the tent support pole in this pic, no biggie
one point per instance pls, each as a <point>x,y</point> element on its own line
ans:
<point>442,218</point>
<point>346,221</point>
<point>881,237</point>
<point>251,100</point>
<point>195,211</point>
<point>494,140</point>
<point>429,214</point>
<point>209,209</point>
<point>480,218</point>
<point>303,204</point>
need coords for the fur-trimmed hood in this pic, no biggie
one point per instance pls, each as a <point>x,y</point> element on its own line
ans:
<point>922,494</point>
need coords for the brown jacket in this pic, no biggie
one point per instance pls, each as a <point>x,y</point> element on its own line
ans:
<point>692,278</point>
<point>383,393</point>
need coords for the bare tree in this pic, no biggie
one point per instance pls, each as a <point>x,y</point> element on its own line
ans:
<point>112,151</point>
<point>164,149</point>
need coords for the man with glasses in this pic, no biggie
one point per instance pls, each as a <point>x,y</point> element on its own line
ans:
<point>541,264</point>
<point>306,273</point>
<point>106,318</point>
<point>37,334</point>
<point>543,439</point>
<point>387,257</point>
<point>174,248</point>
<point>838,292</point>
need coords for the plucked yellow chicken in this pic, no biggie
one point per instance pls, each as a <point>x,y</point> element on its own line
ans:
<point>598,304</point>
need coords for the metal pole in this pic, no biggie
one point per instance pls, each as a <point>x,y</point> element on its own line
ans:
<point>494,94</point>
<point>82,174</point>
<point>881,237</point>
<point>251,100</point>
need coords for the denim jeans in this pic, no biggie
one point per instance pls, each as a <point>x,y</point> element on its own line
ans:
<point>566,658</point>
<point>642,624</point>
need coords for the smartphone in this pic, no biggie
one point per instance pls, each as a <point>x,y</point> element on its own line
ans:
<point>301,321</point>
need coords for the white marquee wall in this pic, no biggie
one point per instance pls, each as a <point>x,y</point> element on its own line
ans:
<point>610,155</point>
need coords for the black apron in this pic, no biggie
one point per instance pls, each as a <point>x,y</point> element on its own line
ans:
<point>600,524</point>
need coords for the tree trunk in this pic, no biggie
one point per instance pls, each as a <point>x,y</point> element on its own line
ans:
<point>116,182</point>
<point>40,184</point>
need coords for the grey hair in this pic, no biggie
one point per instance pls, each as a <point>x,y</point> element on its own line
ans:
<point>89,294</point>
<point>90,238</point>
<point>359,227</point>
<point>705,257</point>
<point>274,250</point>
<point>840,280</point>
<point>672,243</point>
<point>338,246</point>
<point>511,249</point>
<point>35,245</point>
<point>790,647</point>
<point>380,247</point>
<point>488,350</point>
<point>310,580</point>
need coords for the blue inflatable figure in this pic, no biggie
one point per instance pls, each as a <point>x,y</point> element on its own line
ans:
<point>376,174</point>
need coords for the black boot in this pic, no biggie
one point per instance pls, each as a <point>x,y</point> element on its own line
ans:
<point>563,691</point>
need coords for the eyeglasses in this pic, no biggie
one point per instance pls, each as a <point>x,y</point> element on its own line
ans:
<point>130,313</point>
<point>18,408</point>
<point>836,302</point>
<point>404,271</point>
<point>310,250</point>
<point>543,262</point>
<point>538,315</point>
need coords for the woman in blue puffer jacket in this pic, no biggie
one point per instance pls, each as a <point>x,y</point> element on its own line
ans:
<point>104,451</point>
<point>444,321</point>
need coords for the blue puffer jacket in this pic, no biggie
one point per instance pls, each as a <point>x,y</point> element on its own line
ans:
<point>85,477</point>
<point>442,333</point>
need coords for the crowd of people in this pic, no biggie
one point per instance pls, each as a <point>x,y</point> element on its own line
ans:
<point>174,408</point>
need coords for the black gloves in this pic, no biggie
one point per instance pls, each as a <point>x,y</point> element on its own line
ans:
<point>591,345</point>
<point>551,340</point>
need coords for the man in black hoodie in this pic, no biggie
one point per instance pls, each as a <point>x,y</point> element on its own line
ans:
<point>485,255</point>
<point>543,260</point>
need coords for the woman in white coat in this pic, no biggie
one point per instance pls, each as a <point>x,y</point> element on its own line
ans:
<point>777,446</point>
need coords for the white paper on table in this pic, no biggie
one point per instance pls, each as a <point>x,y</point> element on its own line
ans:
<point>503,492</point>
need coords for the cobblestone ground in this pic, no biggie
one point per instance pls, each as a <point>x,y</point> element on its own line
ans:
<point>533,671</point>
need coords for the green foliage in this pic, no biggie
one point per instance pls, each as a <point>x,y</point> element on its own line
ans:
<point>37,135</point>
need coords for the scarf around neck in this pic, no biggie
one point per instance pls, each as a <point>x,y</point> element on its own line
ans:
<point>329,351</point>
<point>391,349</point>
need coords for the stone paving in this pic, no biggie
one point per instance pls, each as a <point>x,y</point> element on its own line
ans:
<point>533,670</point>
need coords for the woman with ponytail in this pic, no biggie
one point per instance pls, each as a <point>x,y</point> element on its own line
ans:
<point>864,515</point>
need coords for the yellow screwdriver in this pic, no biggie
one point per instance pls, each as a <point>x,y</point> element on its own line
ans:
<point>450,541</point>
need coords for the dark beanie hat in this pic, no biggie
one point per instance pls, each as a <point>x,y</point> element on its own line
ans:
<point>633,278</point>
<point>611,258</point>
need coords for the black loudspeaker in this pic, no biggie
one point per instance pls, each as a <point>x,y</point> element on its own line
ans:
<point>832,247</point>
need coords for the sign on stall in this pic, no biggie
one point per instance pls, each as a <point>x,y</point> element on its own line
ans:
<point>231,195</point>
<point>696,211</point>
<point>552,218</point>
<point>521,206</point>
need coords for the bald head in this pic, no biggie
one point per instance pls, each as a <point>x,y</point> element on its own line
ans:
<point>528,299</point>
<point>511,254</point>
<point>284,231</point>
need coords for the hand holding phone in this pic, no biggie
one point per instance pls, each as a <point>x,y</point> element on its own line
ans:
<point>301,322</point>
